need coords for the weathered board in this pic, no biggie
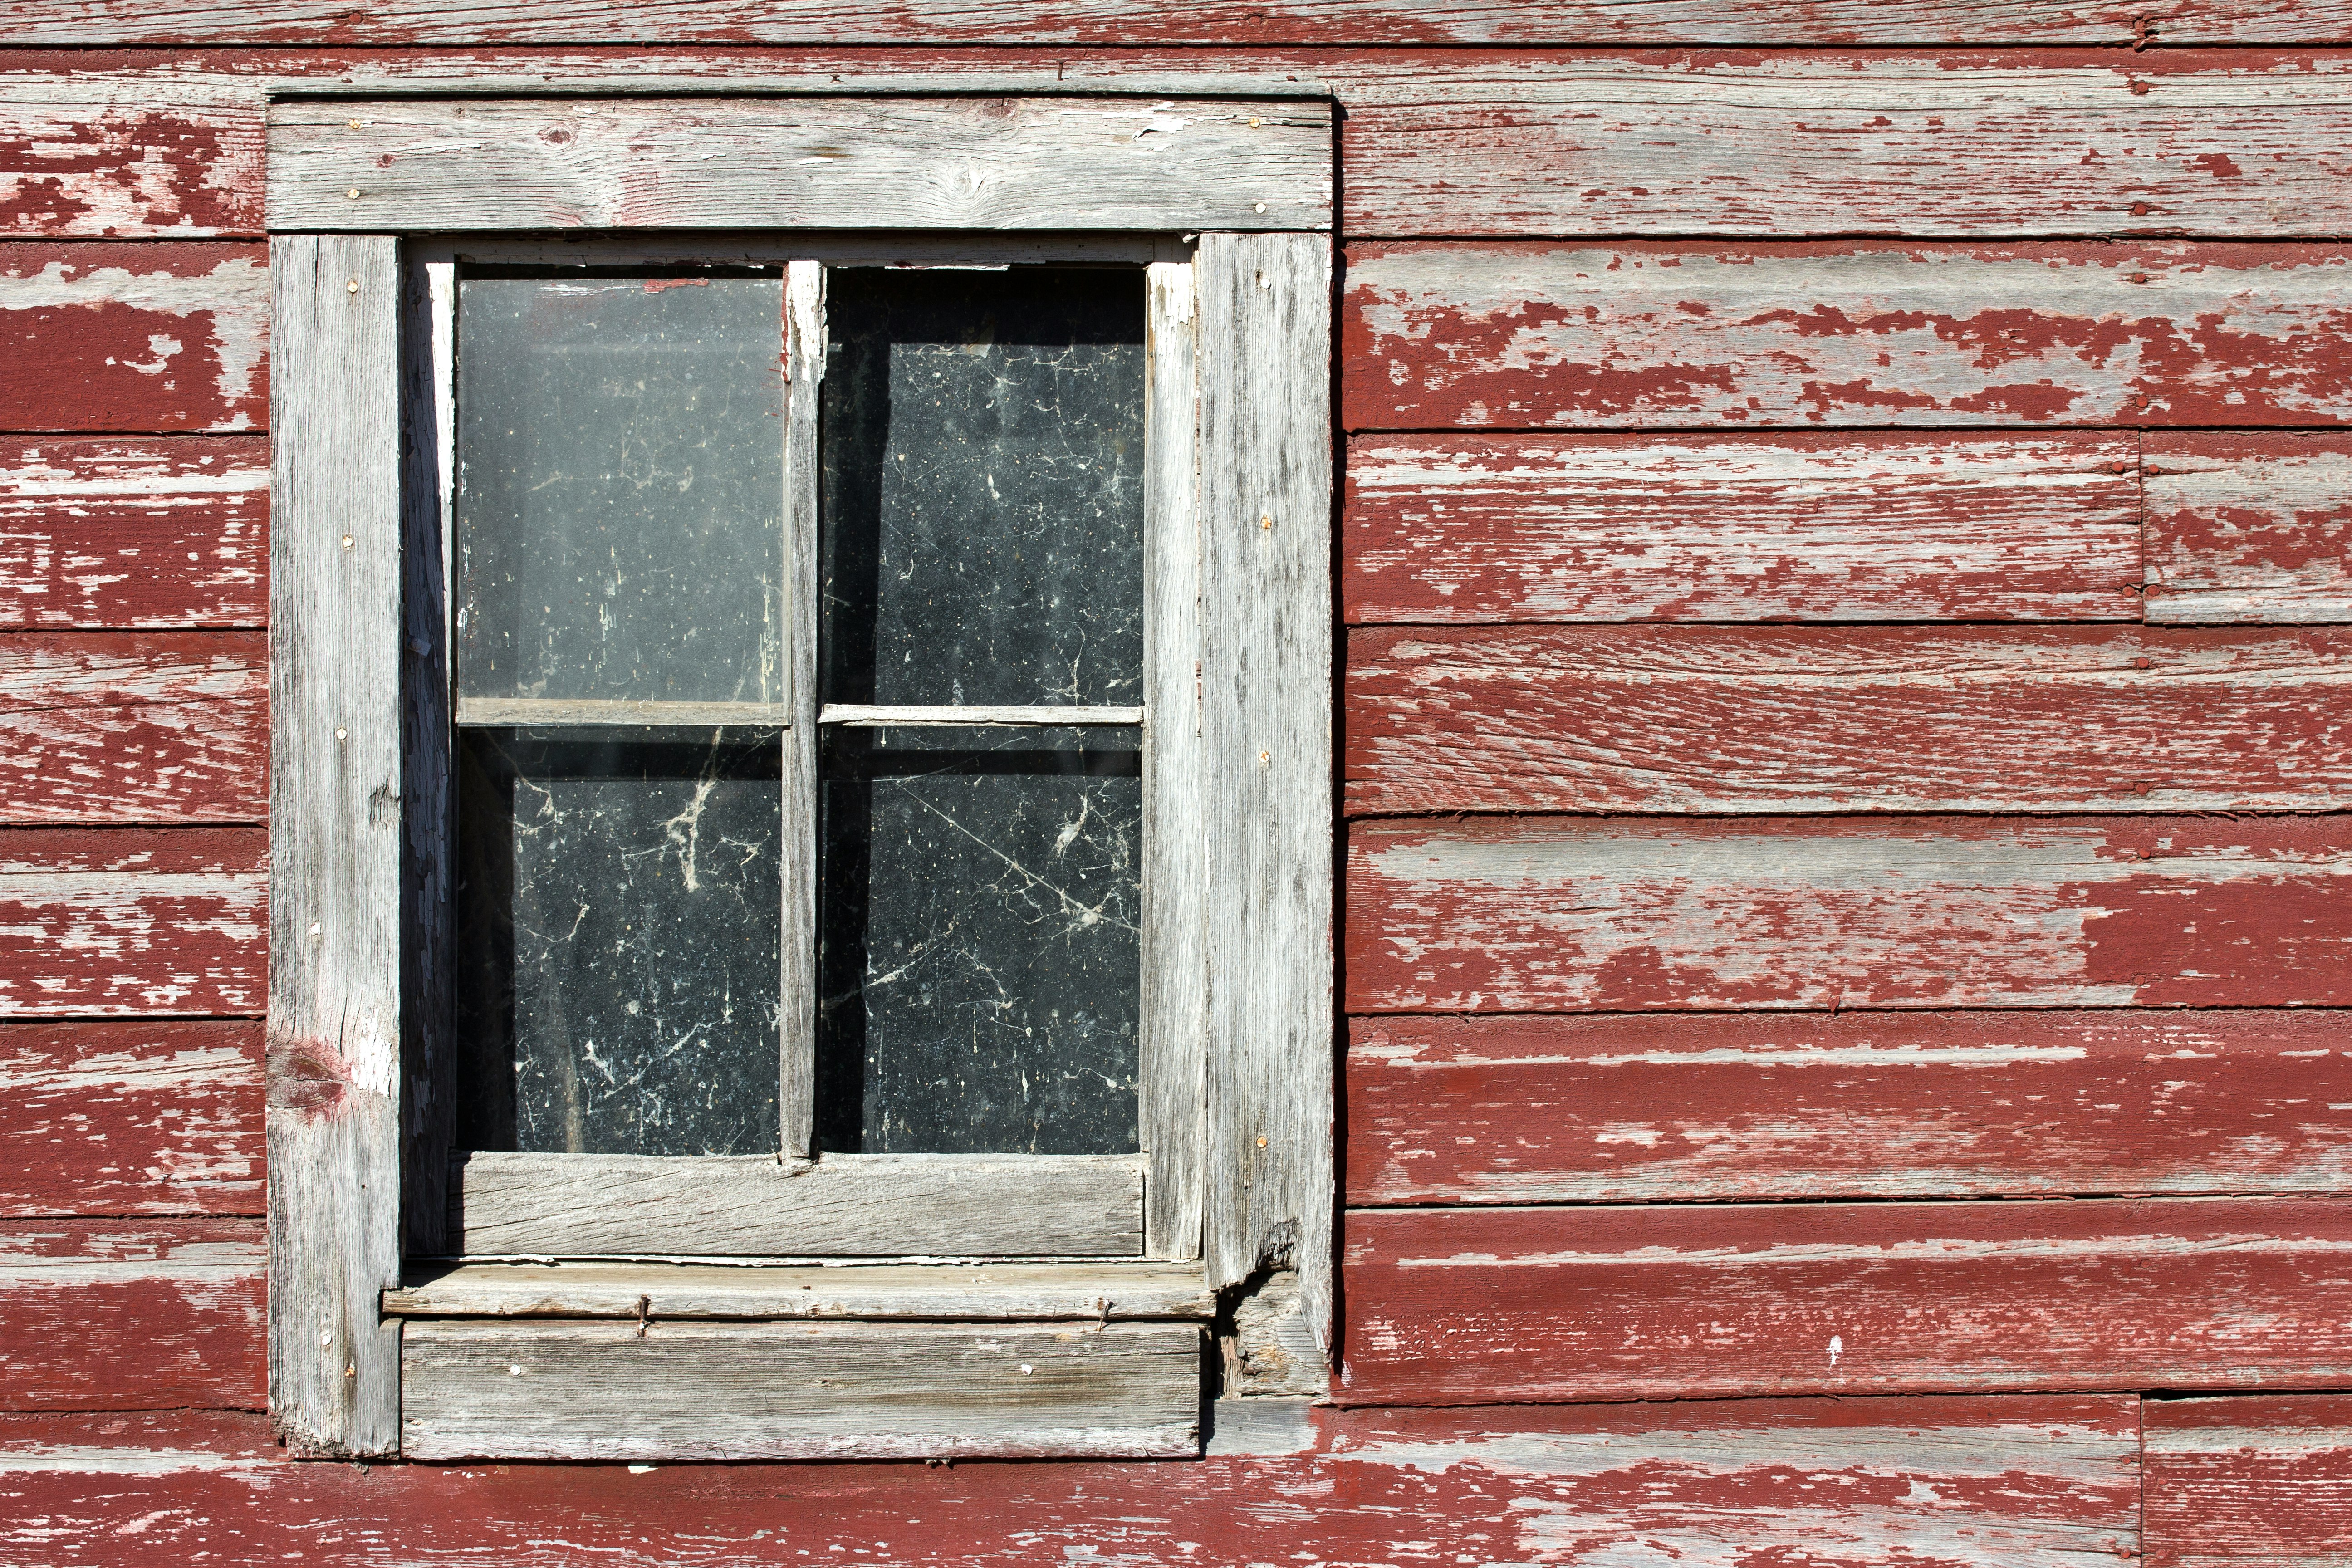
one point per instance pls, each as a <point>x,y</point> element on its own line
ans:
<point>83,155</point>
<point>1845,332</point>
<point>1472,1306</point>
<point>1565,914</point>
<point>85,24</point>
<point>2247,1478</point>
<point>854,1205</point>
<point>130,1118</point>
<point>2249,527</point>
<point>118,728</point>
<point>2021,1482</point>
<point>1674,719</point>
<point>131,338</point>
<point>131,1315</point>
<point>552,1389</point>
<point>870,164</point>
<point>1866,527</point>
<point>95,922</point>
<point>1819,143</point>
<point>1520,1110</point>
<point>124,534</point>
<point>942,1293</point>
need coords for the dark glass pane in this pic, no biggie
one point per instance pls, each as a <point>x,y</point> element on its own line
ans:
<point>983,487</point>
<point>978,911</point>
<point>619,910</point>
<point>620,511</point>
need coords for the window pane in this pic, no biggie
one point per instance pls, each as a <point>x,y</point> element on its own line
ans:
<point>979,915</point>
<point>618,926</point>
<point>983,487</point>
<point>621,489</point>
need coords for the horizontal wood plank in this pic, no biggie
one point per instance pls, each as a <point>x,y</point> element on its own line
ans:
<point>840,163</point>
<point>1520,1110</point>
<point>1868,526</point>
<point>1573,915</point>
<point>798,1390</point>
<point>1796,143</point>
<point>153,923</point>
<point>1471,1306</point>
<point>2248,1480</point>
<point>130,535</point>
<point>85,24</point>
<point>117,728</point>
<point>951,1205</point>
<point>1670,719</point>
<point>131,338</point>
<point>115,1315</point>
<point>130,1118</point>
<point>1083,1292</point>
<point>2249,527</point>
<point>2015,1482</point>
<point>1844,332</point>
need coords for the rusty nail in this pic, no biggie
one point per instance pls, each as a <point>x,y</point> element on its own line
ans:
<point>2139,664</point>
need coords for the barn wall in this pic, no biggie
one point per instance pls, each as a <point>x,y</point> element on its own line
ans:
<point>1845,567</point>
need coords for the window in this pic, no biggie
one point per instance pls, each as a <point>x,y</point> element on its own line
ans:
<point>801,790</point>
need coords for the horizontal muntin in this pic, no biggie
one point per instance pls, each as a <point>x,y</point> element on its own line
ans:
<point>594,712</point>
<point>864,716</point>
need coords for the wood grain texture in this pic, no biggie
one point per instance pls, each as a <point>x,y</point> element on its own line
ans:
<point>799,1391</point>
<point>128,534</point>
<point>2010,1482</point>
<point>1265,752</point>
<point>1801,143</point>
<point>1675,719</point>
<point>156,924</point>
<point>86,24</point>
<point>130,1118</point>
<point>120,728</point>
<point>636,163</point>
<point>2248,1480</point>
<point>1171,1043</point>
<point>805,345</point>
<point>336,843</point>
<point>115,1315</point>
<point>1868,526</point>
<point>133,338</point>
<point>2249,527</point>
<point>952,1205</point>
<point>1520,1110</point>
<point>1471,1306</point>
<point>1565,914</point>
<point>1846,332</point>
<point>1073,1292</point>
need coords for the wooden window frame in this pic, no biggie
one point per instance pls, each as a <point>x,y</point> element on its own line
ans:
<point>1033,1341</point>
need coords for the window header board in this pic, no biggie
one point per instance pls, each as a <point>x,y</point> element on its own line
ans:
<point>817,163</point>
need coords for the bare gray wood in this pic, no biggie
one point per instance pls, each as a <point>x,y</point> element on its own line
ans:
<point>810,163</point>
<point>871,716</point>
<point>336,820</point>
<point>799,1391</point>
<point>1272,1351</point>
<point>941,1292</point>
<point>589,713</point>
<point>1173,1049</point>
<point>805,343</point>
<point>845,1205</point>
<point>1266,605</point>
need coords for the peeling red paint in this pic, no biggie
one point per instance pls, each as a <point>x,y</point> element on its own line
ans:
<point>159,922</point>
<point>132,1314</point>
<point>134,338</point>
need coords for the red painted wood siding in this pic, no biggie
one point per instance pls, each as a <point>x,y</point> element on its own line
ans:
<point>1771,459</point>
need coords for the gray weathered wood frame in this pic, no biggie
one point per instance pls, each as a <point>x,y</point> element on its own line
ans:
<point>1237,1044</point>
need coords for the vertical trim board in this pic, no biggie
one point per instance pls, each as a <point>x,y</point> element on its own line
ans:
<point>1266,506</point>
<point>336,1019</point>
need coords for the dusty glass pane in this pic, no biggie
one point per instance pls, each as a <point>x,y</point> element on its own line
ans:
<point>620,507</point>
<point>983,490</point>
<point>979,915</point>
<point>619,914</point>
